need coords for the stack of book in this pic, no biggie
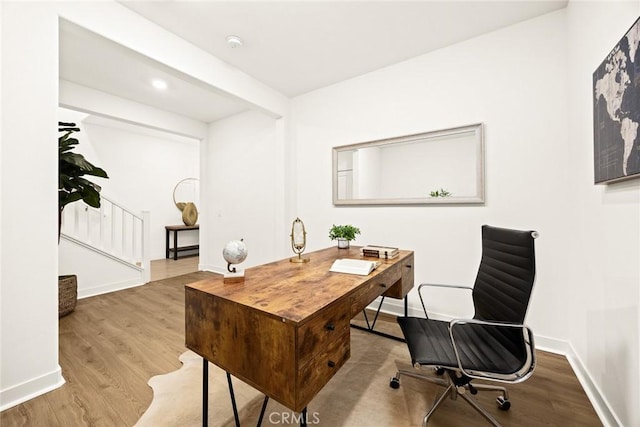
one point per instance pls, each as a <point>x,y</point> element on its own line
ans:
<point>379,251</point>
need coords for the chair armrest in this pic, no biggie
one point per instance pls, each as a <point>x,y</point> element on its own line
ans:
<point>522,374</point>
<point>437,285</point>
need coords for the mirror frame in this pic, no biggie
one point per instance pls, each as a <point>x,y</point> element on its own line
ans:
<point>180,205</point>
<point>477,198</point>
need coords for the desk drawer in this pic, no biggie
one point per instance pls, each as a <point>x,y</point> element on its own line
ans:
<point>318,333</point>
<point>404,277</point>
<point>372,290</point>
<point>319,370</point>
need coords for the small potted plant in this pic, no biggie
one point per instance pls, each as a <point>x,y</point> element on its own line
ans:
<point>344,234</point>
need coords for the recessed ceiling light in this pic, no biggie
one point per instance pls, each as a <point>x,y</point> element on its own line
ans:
<point>234,41</point>
<point>159,84</point>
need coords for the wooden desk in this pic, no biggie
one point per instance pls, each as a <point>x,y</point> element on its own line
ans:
<point>175,229</point>
<point>285,329</point>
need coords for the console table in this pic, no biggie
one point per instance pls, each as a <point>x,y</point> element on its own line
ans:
<point>285,329</point>
<point>175,249</point>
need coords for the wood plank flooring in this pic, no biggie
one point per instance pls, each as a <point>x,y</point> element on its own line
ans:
<point>112,344</point>
<point>165,268</point>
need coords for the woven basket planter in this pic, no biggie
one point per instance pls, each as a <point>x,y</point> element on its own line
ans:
<point>67,294</point>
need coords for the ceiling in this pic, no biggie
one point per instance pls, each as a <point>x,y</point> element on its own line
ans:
<point>91,60</point>
<point>292,46</point>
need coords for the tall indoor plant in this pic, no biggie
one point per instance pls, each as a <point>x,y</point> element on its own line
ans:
<point>73,186</point>
<point>72,167</point>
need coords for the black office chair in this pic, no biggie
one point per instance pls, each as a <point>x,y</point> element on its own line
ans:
<point>495,345</point>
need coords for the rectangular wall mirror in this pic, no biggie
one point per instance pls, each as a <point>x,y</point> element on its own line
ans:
<point>439,167</point>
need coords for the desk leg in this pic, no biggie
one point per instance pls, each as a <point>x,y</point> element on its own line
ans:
<point>303,419</point>
<point>406,305</point>
<point>205,392</point>
<point>166,248</point>
<point>370,326</point>
<point>175,245</point>
<point>264,408</point>
<point>233,400</point>
<point>235,407</point>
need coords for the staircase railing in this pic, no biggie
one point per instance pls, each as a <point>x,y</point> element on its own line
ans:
<point>113,230</point>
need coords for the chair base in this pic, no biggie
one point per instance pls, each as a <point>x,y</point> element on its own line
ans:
<point>454,387</point>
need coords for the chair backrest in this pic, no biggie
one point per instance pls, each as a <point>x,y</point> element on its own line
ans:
<point>506,274</point>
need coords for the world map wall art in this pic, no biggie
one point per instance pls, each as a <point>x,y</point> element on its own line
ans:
<point>616,111</point>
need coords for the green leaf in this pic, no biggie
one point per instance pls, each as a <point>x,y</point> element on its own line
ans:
<point>64,198</point>
<point>72,187</point>
<point>92,198</point>
<point>343,232</point>
<point>97,172</point>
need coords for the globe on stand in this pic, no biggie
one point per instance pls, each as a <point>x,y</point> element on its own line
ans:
<point>234,252</point>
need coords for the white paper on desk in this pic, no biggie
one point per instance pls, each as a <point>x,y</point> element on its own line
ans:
<point>354,266</point>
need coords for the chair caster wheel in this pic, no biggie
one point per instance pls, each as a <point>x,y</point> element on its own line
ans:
<point>503,403</point>
<point>394,383</point>
<point>439,371</point>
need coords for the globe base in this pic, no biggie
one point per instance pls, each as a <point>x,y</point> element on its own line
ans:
<point>234,277</point>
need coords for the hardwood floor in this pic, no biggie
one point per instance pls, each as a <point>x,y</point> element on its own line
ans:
<point>164,268</point>
<point>112,344</point>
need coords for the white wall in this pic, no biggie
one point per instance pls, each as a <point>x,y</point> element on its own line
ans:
<point>28,268</point>
<point>143,170</point>
<point>525,83</point>
<point>604,246</point>
<point>144,166</point>
<point>29,312</point>
<point>96,274</point>
<point>514,81</point>
<point>241,190</point>
<point>530,84</point>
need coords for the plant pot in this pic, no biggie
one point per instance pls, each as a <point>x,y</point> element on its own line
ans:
<point>67,294</point>
<point>343,243</point>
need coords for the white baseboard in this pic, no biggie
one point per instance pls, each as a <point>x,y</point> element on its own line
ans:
<point>109,287</point>
<point>212,268</point>
<point>552,345</point>
<point>600,404</point>
<point>27,390</point>
<point>598,400</point>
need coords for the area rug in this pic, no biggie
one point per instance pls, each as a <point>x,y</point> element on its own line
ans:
<point>358,395</point>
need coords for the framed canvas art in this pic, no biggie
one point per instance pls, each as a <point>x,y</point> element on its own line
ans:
<point>616,111</point>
